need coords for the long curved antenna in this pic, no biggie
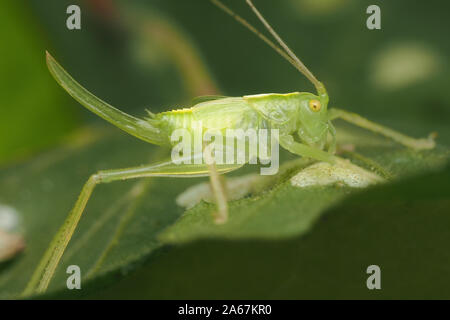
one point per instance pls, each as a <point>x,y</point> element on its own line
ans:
<point>246,24</point>
<point>300,66</point>
<point>286,54</point>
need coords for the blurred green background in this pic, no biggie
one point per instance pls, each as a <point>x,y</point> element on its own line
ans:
<point>159,54</point>
<point>362,69</point>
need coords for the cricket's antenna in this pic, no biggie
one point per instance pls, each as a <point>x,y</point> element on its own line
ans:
<point>246,24</point>
<point>300,66</point>
<point>286,54</point>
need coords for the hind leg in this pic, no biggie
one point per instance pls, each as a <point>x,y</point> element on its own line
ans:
<point>49,262</point>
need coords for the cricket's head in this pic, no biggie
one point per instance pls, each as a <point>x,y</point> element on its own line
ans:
<point>312,124</point>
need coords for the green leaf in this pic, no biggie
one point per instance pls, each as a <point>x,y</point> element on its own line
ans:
<point>44,190</point>
<point>297,208</point>
<point>401,227</point>
<point>128,223</point>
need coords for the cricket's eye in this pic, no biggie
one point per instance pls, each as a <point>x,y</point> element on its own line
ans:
<point>315,105</point>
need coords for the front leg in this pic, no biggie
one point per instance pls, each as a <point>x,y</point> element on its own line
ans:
<point>288,143</point>
<point>356,119</point>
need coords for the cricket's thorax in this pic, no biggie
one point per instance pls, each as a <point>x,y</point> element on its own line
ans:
<point>280,110</point>
<point>302,113</point>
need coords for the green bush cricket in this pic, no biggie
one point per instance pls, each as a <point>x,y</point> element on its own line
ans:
<point>302,118</point>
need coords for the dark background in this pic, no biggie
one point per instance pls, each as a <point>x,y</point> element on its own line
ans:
<point>329,36</point>
<point>127,53</point>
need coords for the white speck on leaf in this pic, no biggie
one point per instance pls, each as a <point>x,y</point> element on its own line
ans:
<point>9,218</point>
<point>342,172</point>
<point>11,241</point>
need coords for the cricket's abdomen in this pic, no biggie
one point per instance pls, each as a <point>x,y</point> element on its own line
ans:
<point>215,115</point>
